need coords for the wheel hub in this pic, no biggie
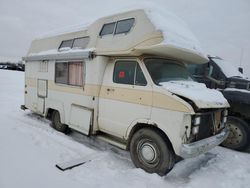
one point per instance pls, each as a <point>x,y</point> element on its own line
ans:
<point>148,152</point>
<point>235,136</point>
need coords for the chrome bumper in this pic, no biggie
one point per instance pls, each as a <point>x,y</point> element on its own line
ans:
<point>202,146</point>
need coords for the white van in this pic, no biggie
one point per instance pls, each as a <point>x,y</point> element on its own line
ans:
<point>121,81</point>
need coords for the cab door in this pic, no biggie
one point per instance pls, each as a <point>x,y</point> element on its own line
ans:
<point>125,97</point>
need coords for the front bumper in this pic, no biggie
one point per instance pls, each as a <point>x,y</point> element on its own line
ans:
<point>202,146</point>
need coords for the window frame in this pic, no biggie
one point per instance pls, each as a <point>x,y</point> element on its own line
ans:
<point>60,62</point>
<point>83,73</point>
<point>100,33</point>
<point>59,49</point>
<point>134,79</point>
<point>80,38</point>
<point>114,31</point>
<point>128,30</point>
<point>73,40</point>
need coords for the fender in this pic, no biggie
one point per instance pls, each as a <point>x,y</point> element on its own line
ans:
<point>136,122</point>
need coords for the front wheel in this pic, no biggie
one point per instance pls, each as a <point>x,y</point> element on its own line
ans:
<point>239,135</point>
<point>150,151</point>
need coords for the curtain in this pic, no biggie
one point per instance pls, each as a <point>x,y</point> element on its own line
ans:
<point>76,73</point>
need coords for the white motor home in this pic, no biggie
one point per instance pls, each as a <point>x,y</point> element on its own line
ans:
<point>124,79</point>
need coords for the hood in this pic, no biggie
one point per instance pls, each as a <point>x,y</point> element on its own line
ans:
<point>197,92</point>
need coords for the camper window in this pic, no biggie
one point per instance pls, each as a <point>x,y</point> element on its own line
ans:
<point>124,26</point>
<point>66,44</point>
<point>107,29</point>
<point>70,73</point>
<point>128,72</point>
<point>61,74</point>
<point>81,42</point>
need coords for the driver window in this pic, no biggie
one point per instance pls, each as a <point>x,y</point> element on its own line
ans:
<point>128,72</point>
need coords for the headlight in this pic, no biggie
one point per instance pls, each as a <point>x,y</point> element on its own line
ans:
<point>225,112</point>
<point>197,120</point>
<point>224,119</point>
<point>195,130</point>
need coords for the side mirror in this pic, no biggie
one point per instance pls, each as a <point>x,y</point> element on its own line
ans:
<point>240,70</point>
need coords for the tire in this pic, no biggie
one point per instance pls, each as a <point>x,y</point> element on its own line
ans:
<point>56,123</point>
<point>150,151</point>
<point>239,136</point>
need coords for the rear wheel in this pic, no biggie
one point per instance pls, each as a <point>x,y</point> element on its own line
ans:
<point>56,122</point>
<point>239,136</point>
<point>150,151</point>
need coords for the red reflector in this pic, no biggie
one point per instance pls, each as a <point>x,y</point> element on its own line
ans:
<point>121,74</point>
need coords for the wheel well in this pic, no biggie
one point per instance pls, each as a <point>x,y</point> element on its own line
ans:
<point>153,127</point>
<point>49,113</point>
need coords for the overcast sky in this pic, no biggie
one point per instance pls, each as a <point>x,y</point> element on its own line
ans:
<point>223,27</point>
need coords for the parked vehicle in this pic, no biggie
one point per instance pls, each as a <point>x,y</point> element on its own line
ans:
<point>117,80</point>
<point>12,66</point>
<point>235,87</point>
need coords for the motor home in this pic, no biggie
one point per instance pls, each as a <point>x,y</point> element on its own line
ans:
<point>124,79</point>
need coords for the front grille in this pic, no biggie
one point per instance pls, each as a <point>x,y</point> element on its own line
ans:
<point>210,124</point>
<point>205,127</point>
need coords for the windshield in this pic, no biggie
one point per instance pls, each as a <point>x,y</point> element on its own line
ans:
<point>163,70</point>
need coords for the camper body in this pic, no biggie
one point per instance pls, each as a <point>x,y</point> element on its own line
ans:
<point>124,87</point>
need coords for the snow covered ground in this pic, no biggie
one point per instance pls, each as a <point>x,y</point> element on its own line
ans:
<point>30,148</point>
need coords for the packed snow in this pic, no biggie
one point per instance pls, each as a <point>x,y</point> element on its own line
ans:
<point>202,96</point>
<point>62,51</point>
<point>30,148</point>
<point>175,30</point>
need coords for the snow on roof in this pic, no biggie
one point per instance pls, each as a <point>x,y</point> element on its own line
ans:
<point>175,31</point>
<point>228,68</point>
<point>65,50</point>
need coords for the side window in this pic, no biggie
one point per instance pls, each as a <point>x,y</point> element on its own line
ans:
<point>66,44</point>
<point>124,72</point>
<point>107,29</point>
<point>128,72</point>
<point>124,26</point>
<point>140,78</point>
<point>80,42</point>
<point>70,73</point>
<point>61,73</point>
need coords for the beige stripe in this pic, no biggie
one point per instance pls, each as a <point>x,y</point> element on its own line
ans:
<point>167,102</point>
<point>134,96</point>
